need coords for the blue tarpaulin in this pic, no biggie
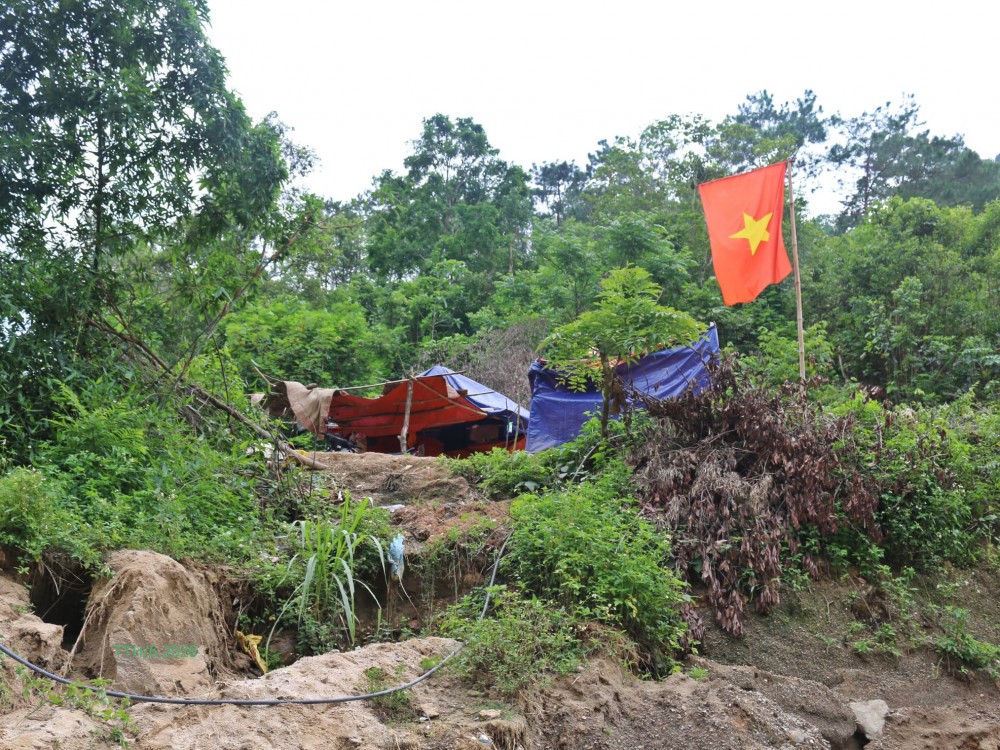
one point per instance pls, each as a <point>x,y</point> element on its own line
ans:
<point>558,414</point>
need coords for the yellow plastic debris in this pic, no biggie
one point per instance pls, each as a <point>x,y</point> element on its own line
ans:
<point>249,644</point>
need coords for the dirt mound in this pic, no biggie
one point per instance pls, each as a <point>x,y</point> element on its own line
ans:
<point>603,707</point>
<point>923,728</point>
<point>812,702</point>
<point>393,480</point>
<point>346,725</point>
<point>50,727</point>
<point>805,640</point>
<point>24,633</point>
<point>430,522</point>
<point>154,602</point>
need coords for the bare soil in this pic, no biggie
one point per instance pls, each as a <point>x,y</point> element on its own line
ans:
<point>391,479</point>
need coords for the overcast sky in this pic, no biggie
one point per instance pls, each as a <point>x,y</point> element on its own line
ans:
<point>548,80</point>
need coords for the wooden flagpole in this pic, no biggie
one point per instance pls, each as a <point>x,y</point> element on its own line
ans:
<point>798,280</point>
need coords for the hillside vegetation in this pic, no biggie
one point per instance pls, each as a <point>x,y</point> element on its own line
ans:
<point>154,247</point>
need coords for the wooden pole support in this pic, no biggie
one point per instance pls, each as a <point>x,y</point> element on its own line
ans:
<point>798,281</point>
<point>406,416</point>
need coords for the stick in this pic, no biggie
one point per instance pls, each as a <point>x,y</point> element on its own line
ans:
<point>798,281</point>
<point>205,396</point>
<point>406,416</point>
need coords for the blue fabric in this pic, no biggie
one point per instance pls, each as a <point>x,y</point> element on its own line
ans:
<point>396,558</point>
<point>493,403</point>
<point>558,414</point>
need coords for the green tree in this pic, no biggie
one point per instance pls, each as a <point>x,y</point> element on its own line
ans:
<point>118,135</point>
<point>889,157</point>
<point>289,339</point>
<point>783,131</point>
<point>909,296</point>
<point>107,111</point>
<point>559,189</point>
<point>458,201</point>
<point>626,323</point>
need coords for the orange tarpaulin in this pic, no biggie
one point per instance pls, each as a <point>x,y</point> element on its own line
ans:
<point>434,404</point>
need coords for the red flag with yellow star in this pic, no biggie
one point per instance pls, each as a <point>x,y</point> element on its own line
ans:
<point>744,214</point>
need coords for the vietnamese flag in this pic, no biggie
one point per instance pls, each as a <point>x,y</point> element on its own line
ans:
<point>744,214</point>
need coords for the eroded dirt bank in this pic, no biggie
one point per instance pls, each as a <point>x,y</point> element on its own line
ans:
<point>784,686</point>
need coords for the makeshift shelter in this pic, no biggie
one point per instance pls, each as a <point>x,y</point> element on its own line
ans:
<point>558,413</point>
<point>438,411</point>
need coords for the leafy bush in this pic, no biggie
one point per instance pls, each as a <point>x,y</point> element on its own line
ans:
<point>779,360</point>
<point>131,473</point>
<point>34,518</point>
<point>503,473</point>
<point>959,646</point>
<point>925,512</point>
<point>522,643</point>
<point>585,547</point>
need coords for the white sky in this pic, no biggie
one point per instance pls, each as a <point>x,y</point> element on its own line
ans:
<point>548,79</point>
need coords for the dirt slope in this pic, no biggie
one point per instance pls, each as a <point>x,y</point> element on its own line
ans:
<point>390,479</point>
<point>794,688</point>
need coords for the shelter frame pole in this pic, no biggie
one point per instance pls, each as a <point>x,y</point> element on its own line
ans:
<point>406,415</point>
<point>798,280</point>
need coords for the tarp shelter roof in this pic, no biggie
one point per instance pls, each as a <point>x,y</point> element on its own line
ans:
<point>309,404</point>
<point>435,403</point>
<point>440,398</point>
<point>493,403</point>
<point>558,414</point>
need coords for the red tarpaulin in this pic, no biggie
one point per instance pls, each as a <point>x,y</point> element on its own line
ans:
<point>434,404</point>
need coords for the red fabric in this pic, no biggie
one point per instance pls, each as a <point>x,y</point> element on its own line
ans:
<point>434,404</point>
<point>485,448</point>
<point>742,273</point>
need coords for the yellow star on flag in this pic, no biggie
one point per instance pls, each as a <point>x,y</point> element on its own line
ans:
<point>754,231</point>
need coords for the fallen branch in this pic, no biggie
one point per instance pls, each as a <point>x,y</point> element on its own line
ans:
<point>204,395</point>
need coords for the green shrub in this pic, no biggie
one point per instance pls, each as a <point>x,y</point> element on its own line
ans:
<point>960,649</point>
<point>586,547</point>
<point>34,518</point>
<point>394,707</point>
<point>501,472</point>
<point>506,474</point>
<point>925,513</point>
<point>522,643</point>
<point>131,473</point>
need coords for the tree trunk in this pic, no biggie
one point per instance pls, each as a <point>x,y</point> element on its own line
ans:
<point>607,386</point>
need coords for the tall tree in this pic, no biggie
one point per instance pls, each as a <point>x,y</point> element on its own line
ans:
<point>559,189</point>
<point>888,156</point>
<point>116,128</point>
<point>107,111</point>
<point>626,323</point>
<point>458,201</point>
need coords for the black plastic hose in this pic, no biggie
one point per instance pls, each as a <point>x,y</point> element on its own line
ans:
<point>262,702</point>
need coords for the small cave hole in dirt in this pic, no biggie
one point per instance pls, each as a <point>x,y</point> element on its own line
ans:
<point>862,738</point>
<point>63,601</point>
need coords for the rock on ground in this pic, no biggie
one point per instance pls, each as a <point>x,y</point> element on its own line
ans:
<point>870,716</point>
<point>24,633</point>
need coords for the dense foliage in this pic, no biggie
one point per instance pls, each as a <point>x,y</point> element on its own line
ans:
<point>151,241</point>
